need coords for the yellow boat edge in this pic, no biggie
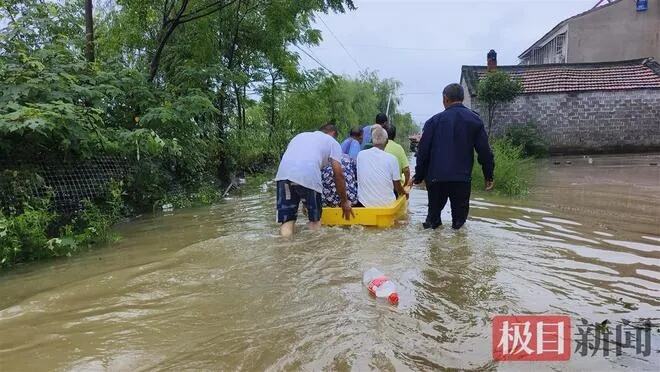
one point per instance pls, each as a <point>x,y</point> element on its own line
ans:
<point>379,217</point>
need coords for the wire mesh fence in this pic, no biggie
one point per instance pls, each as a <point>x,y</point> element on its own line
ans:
<point>69,184</point>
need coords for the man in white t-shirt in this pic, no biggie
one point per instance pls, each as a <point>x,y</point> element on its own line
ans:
<point>299,177</point>
<point>378,173</point>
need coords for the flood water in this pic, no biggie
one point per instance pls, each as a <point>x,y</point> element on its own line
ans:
<point>214,288</point>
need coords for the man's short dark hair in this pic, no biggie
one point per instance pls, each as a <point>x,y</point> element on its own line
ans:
<point>356,132</point>
<point>328,128</point>
<point>381,119</point>
<point>391,132</point>
<point>454,92</point>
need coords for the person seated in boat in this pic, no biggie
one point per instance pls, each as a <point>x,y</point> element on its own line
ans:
<point>352,145</point>
<point>330,195</point>
<point>381,122</point>
<point>400,155</point>
<point>378,173</point>
<point>299,177</point>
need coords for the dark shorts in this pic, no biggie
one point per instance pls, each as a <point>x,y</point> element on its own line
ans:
<point>289,196</point>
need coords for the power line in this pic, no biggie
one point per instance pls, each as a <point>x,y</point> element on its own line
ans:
<point>310,55</point>
<point>419,93</point>
<point>341,44</point>
<point>419,49</point>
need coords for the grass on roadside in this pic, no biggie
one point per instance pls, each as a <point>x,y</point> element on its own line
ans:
<point>513,171</point>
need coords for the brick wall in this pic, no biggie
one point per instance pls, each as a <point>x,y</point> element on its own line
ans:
<point>588,122</point>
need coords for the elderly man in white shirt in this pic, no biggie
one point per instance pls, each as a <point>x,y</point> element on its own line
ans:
<point>378,173</point>
<point>299,177</point>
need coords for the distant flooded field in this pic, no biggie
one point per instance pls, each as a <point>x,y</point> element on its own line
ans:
<point>216,288</point>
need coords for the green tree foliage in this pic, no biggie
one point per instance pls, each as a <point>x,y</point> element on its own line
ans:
<point>495,89</point>
<point>52,102</point>
<point>346,102</point>
<point>190,90</point>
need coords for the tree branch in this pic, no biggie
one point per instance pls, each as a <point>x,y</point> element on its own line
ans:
<point>206,10</point>
<point>10,14</point>
<point>167,9</point>
<point>165,36</point>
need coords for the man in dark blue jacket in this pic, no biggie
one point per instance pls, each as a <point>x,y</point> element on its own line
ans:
<point>445,156</point>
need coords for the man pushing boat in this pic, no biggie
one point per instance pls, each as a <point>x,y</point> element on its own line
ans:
<point>299,178</point>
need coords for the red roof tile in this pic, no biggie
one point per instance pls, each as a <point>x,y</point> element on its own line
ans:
<point>625,75</point>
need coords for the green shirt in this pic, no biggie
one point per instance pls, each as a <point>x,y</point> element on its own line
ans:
<point>399,153</point>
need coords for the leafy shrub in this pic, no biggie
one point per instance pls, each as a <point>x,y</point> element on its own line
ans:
<point>32,232</point>
<point>23,237</point>
<point>513,171</point>
<point>528,137</point>
<point>22,183</point>
<point>91,226</point>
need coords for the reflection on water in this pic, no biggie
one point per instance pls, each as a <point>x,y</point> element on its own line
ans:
<point>214,288</point>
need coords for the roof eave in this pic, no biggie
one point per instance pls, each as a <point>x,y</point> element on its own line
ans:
<point>470,73</point>
<point>636,61</point>
<point>537,42</point>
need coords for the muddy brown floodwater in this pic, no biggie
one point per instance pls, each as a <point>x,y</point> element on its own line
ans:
<point>215,288</point>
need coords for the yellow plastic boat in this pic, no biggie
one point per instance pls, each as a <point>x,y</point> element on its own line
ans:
<point>379,217</point>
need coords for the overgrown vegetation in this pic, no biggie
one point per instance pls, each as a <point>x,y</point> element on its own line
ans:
<point>527,137</point>
<point>192,91</point>
<point>33,231</point>
<point>513,170</point>
<point>514,147</point>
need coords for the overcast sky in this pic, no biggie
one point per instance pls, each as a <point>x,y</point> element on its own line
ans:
<point>424,43</point>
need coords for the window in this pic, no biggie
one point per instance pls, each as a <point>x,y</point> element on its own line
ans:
<point>559,43</point>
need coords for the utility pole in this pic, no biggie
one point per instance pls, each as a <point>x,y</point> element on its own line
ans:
<point>389,100</point>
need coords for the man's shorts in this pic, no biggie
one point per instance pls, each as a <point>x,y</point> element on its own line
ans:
<point>289,196</point>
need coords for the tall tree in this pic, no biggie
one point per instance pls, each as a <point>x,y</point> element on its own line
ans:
<point>179,12</point>
<point>89,31</point>
<point>175,16</point>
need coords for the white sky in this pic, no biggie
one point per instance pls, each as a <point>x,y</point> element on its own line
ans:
<point>424,43</point>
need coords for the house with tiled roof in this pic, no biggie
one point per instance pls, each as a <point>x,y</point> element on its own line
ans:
<point>581,107</point>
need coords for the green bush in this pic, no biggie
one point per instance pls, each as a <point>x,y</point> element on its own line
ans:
<point>528,137</point>
<point>513,171</point>
<point>24,237</point>
<point>92,226</point>
<point>226,96</point>
<point>35,232</point>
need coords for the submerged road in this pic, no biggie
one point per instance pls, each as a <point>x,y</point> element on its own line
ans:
<point>215,288</point>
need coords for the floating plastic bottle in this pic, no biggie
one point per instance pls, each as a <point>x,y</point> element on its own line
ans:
<point>380,285</point>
